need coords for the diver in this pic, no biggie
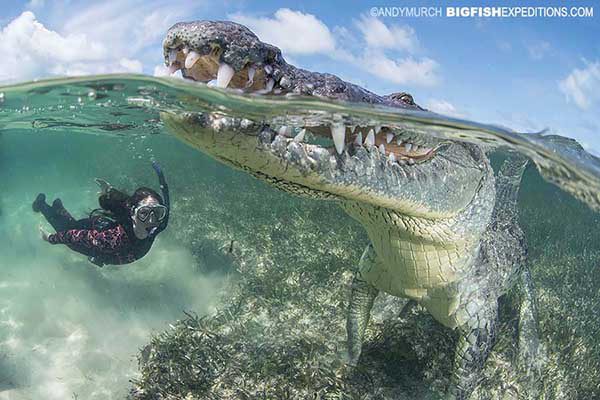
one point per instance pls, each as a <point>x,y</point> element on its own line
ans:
<point>120,232</point>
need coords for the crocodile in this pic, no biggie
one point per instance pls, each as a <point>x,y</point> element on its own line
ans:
<point>443,229</point>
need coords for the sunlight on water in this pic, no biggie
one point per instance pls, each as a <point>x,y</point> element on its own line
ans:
<point>71,330</point>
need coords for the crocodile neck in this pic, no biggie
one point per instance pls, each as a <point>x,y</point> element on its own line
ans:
<point>415,254</point>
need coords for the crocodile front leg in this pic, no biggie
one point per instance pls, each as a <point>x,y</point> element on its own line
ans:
<point>476,339</point>
<point>362,296</point>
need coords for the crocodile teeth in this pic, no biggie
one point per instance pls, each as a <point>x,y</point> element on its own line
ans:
<point>268,69</point>
<point>382,149</point>
<point>408,146</point>
<point>370,140</point>
<point>399,142</point>
<point>251,72</point>
<point>224,75</point>
<point>392,157</point>
<point>284,131</point>
<point>172,55</point>
<point>358,140</point>
<point>185,51</point>
<point>191,59</point>
<point>416,147</point>
<point>411,161</point>
<point>389,137</point>
<point>338,133</point>
<point>300,136</point>
<point>377,129</point>
<point>270,84</point>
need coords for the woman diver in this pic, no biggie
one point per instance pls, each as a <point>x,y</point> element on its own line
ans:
<point>120,232</point>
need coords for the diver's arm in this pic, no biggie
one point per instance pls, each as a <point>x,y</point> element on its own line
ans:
<point>165,192</point>
<point>113,200</point>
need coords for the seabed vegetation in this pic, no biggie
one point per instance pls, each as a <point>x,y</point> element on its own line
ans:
<point>279,332</point>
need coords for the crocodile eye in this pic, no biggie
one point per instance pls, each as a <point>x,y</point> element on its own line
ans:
<point>407,98</point>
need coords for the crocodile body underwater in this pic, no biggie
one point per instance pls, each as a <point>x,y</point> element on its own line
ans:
<point>443,229</point>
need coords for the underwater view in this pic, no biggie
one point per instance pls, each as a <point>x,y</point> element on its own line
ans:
<point>245,292</point>
<point>253,230</point>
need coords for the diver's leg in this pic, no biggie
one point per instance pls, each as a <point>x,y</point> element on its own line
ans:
<point>362,296</point>
<point>61,212</point>
<point>39,203</point>
<point>56,215</point>
<point>476,340</point>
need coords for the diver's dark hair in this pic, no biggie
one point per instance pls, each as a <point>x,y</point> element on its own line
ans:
<point>140,194</point>
<point>130,203</point>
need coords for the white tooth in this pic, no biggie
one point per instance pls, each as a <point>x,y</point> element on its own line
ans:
<point>172,55</point>
<point>172,69</point>
<point>358,139</point>
<point>185,50</point>
<point>191,59</point>
<point>352,128</point>
<point>370,140</point>
<point>389,137</point>
<point>408,146</point>
<point>402,161</point>
<point>411,161</point>
<point>382,149</point>
<point>224,75</point>
<point>267,89</point>
<point>338,133</point>
<point>282,130</point>
<point>270,84</point>
<point>268,69</point>
<point>416,148</point>
<point>399,142</point>
<point>377,129</point>
<point>300,137</point>
<point>251,72</point>
<point>392,157</point>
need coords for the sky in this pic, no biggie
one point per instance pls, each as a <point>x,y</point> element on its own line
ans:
<point>525,73</point>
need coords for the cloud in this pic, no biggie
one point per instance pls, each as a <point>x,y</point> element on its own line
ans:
<point>379,35</point>
<point>30,50</point>
<point>443,107</point>
<point>582,86</point>
<point>537,51</point>
<point>403,70</point>
<point>304,34</point>
<point>104,37</point>
<point>129,26</point>
<point>292,31</point>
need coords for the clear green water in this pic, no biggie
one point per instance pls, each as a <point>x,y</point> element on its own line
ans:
<point>71,330</point>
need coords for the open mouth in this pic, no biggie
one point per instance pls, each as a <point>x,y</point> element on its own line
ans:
<point>263,78</point>
<point>400,148</point>
<point>208,67</point>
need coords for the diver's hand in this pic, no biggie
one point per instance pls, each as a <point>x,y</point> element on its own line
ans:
<point>44,234</point>
<point>104,186</point>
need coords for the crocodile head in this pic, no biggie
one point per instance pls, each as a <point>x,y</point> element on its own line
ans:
<point>399,170</point>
